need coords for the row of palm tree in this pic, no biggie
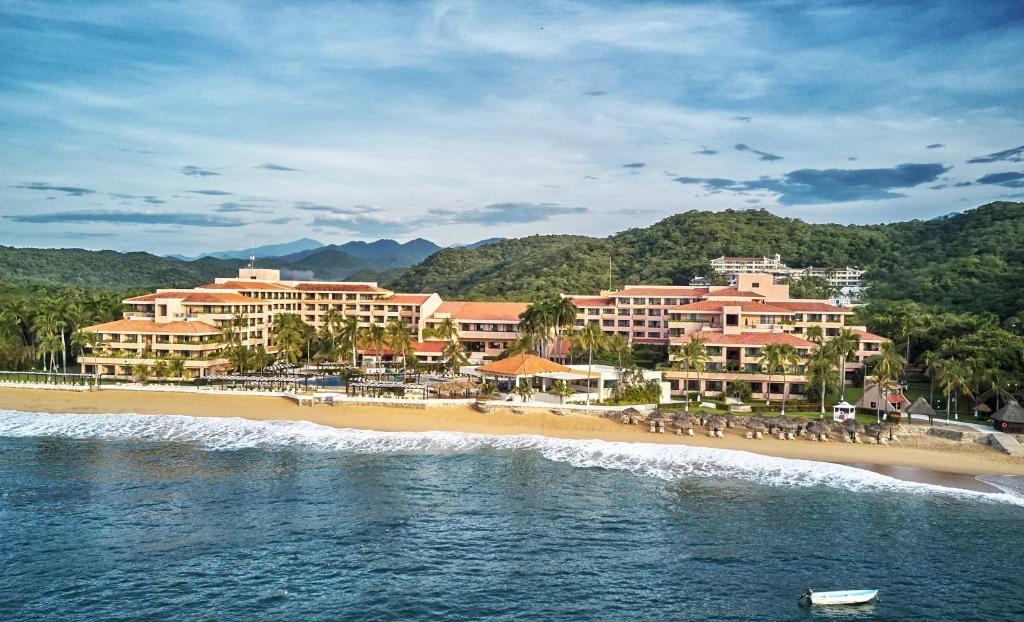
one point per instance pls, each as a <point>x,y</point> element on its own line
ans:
<point>48,329</point>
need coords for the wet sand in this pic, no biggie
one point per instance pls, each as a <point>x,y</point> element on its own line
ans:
<point>924,459</point>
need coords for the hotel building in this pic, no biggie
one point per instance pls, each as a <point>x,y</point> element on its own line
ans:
<point>734,322</point>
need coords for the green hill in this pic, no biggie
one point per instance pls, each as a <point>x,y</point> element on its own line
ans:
<point>62,267</point>
<point>972,261</point>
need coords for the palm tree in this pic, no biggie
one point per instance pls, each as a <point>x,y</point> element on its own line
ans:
<point>952,376</point>
<point>487,390</point>
<point>591,339</point>
<point>160,369</point>
<point>524,390</point>
<point>563,315</point>
<point>348,333</point>
<point>887,366</point>
<point>454,356</point>
<point>562,390</point>
<point>771,358</point>
<point>524,343</point>
<point>260,358</point>
<point>48,344</point>
<point>374,336</point>
<point>844,345</point>
<point>142,373</point>
<point>240,358</point>
<point>176,366</point>
<point>399,338</point>
<point>821,366</point>
<point>692,356</point>
<point>618,346</point>
<point>788,359</point>
<point>537,321</point>
<point>331,321</point>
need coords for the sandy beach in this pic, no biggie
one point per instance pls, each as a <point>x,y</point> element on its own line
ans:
<point>919,459</point>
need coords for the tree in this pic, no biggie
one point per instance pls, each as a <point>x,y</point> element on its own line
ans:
<point>821,367</point>
<point>454,357</point>
<point>260,358</point>
<point>740,389</point>
<point>887,367</point>
<point>561,390</point>
<point>240,358</point>
<point>487,390</point>
<point>374,337</point>
<point>692,356</point>
<point>952,376</point>
<point>590,338</point>
<point>160,369</point>
<point>524,390</point>
<point>843,346</point>
<point>399,338</point>
<point>141,373</point>
<point>778,358</point>
<point>348,333</point>
<point>537,321</point>
<point>176,366</point>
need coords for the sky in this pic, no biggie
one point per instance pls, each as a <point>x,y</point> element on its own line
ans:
<point>200,126</point>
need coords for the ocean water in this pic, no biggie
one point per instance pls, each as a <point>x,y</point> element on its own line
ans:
<point>129,517</point>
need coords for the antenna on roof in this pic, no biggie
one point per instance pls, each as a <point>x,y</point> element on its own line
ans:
<point>609,272</point>
<point>252,261</point>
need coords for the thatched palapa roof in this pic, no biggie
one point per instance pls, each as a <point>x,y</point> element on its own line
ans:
<point>1012,413</point>
<point>921,407</point>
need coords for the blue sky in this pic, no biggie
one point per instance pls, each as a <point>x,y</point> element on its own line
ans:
<point>189,127</point>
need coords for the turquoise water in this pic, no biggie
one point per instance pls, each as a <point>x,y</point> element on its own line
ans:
<point>133,517</point>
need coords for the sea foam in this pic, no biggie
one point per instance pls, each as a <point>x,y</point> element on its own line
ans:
<point>668,462</point>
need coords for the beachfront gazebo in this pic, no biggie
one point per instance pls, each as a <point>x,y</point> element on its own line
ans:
<point>1009,419</point>
<point>843,411</point>
<point>519,366</point>
<point>920,407</point>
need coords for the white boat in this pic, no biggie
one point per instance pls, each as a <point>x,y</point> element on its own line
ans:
<point>845,597</point>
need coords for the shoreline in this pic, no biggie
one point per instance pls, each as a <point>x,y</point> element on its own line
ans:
<point>925,460</point>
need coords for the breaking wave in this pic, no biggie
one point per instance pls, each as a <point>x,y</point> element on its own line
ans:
<point>667,462</point>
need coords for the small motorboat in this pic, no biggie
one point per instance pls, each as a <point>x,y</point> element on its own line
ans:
<point>845,597</point>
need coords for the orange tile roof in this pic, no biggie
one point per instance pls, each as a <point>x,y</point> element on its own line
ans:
<point>248,285</point>
<point>341,287</point>
<point>522,365</point>
<point>732,292</point>
<point>592,301</point>
<point>749,338</point>
<point>484,311</point>
<point>746,306</point>
<point>221,298</point>
<point>665,290</point>
<point>152,297</point>
<point>866,336</point>
<point>149,326</point>
<point>811,306</point>
<point>408,299</point>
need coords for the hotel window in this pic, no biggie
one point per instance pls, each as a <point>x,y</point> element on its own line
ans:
<point>767,319</point>
<point>671,302</point>
<point>832,317</point>
<point>639,301</point>
<point>814,317</point>
<point>655,301</point>
<point>654,324</point>
<point>624,312</point>
<point>752,352</point>
<point>831,332</point>
<point>798,317</point>
<point>608,323</point>
<point>624,323</point>
<point>731,319</point>
<point>593,311</point>
<point>654,312</point>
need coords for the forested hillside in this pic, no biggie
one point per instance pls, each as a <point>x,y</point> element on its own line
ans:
<point>969,262</point>
<point>64,267</point>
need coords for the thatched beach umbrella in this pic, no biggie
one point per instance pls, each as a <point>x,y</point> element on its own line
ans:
<point>716,424</point>
<point>920,407</point>
<point>655,415</point>
<point>874,430</point>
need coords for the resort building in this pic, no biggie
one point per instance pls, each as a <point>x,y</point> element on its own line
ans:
<point>847,279</point>
<point>735,323</point>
